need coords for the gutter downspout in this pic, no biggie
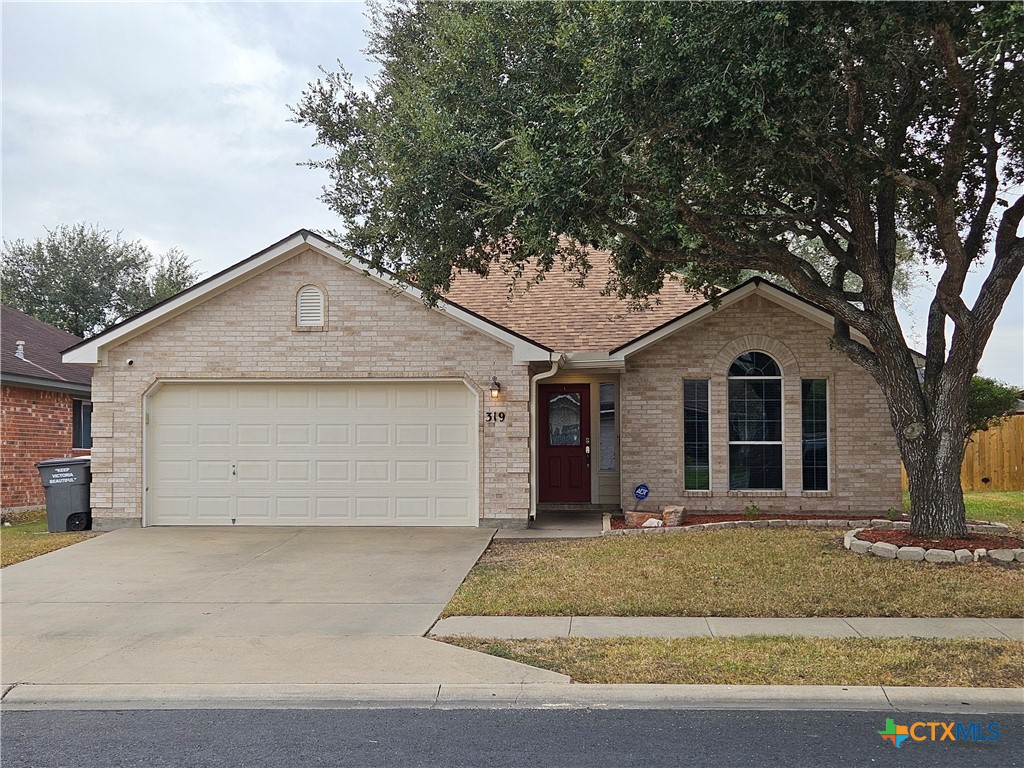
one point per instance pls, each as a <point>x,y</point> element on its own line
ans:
<point>556,363</point>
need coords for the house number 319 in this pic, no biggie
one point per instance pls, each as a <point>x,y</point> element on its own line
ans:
<point>494,417</point>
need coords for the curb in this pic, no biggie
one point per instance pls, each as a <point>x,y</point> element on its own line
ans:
<point>26,696</point>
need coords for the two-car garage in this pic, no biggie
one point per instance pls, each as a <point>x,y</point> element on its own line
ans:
<point>369,452</point>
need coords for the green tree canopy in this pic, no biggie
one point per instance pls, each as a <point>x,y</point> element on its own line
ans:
<point>706,138</point>
<point>990,403</point>
<point>83,278</point>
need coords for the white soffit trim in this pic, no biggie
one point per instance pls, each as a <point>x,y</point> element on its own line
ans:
<point>90,351</point>
<point>769,291</point>
<point>597,361</point>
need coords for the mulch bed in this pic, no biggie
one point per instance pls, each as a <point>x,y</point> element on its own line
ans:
<point>619,523</point>
<point>972,542</point>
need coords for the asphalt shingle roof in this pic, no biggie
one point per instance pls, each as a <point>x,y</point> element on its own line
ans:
<point>563,316</point>
<point>43,347</point>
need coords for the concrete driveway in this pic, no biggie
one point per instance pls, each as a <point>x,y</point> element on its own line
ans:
<point>180,606</point>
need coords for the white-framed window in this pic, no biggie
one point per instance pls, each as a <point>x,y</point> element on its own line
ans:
<point>814,437</point>
<point>696,435</point>
<point>81,424</point>
<point>309,307</point>
<point>609,435</point>
<point>755,423</point>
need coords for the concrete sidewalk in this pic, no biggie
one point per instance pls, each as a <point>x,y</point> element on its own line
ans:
<point>508,627</point>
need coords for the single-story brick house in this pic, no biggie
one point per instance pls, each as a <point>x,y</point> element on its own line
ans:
<point>45,408</point>
<point>301,388</point>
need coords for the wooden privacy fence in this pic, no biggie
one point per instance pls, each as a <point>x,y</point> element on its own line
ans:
<point>994,460</point>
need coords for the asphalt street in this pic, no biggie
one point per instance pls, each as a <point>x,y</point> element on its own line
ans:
<point>495,738</point>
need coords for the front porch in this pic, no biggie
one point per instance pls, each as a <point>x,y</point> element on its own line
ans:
<point>559,523</point>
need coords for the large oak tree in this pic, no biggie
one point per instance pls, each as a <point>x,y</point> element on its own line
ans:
<point>707,138</point>
<point>83,278</point>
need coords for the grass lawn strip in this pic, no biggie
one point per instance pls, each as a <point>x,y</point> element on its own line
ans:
<point>769,660</point>
<point>26,538</point>
<point>741,572</point>
<point>788,572</point>
<point>993,506</point>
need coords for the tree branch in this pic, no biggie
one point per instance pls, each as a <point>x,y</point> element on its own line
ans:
<point>813,221</point>
<point>856,351</point>
<point>979,222</point>
<point>1006,235</point>
<point>886,201</point>
<point>959,131</point>
<point>780,260</point>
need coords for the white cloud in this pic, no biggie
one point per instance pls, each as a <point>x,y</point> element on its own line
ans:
<point>167,120</point>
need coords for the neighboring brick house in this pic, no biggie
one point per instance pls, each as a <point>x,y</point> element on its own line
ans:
<point>299,387</point>
<point>45,407</point>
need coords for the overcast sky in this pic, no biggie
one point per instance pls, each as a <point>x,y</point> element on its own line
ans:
<point>170,122</point>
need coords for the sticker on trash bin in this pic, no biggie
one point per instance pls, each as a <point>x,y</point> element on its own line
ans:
<point>59,475</point>
<point>641,492</point>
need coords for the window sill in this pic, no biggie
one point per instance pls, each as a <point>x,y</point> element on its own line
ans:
<point>309,328</point>
<point>696,493</point>
<point>817,494</point>
<point>758,494</point>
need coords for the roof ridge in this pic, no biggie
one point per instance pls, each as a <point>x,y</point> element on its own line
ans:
<point>44,369</point>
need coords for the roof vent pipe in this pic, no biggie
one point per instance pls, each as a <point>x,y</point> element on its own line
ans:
<point>19,350</point>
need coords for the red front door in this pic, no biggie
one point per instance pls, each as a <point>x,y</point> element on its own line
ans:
<point>564,442</point>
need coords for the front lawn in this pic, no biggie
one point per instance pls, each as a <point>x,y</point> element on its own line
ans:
<point>26,538</point>
<point>994,506</point>
<point>769,660</point>
<point>997,507</point>
<point>787,572</point>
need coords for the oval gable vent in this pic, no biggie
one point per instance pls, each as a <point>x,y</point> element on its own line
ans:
<point>309,307</point>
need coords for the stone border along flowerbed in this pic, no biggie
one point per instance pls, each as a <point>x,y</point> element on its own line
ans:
<point>850,540</point>
<point>921,554</point>
<point>767,523</point>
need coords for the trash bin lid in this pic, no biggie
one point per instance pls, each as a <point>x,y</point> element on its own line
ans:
<point>68,461</point>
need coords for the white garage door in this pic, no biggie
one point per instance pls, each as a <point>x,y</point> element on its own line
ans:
<point>325,453</point>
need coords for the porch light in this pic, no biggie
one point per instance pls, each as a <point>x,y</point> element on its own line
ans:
<point>495,386</point>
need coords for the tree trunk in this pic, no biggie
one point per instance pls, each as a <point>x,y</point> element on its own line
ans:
<point>933,462</point>
<point>937,504</point>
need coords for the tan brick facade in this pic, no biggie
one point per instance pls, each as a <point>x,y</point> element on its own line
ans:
<point>249,332</point>
<point>864,461</point>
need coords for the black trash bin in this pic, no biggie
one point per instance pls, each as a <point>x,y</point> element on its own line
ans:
<point>66,482</point>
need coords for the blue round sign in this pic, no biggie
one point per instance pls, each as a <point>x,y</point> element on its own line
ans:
<point>641,492</point>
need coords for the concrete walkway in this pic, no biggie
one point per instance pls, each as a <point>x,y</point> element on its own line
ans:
<point>557,525</point>
<point>509,627</point>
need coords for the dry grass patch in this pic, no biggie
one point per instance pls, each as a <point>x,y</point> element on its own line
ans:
<point>739,572</point>
<point>769,660</point>
<point>27,537</point>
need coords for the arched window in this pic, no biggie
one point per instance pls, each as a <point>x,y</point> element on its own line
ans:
<point>755,423</point>
<point>309,307</point>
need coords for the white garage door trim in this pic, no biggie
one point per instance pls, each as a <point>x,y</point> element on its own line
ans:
<point>335,493</point>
